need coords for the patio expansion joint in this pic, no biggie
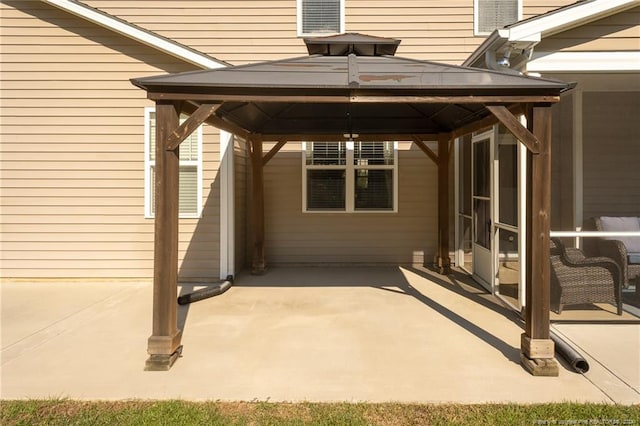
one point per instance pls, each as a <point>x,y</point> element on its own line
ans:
<point>56,328</point>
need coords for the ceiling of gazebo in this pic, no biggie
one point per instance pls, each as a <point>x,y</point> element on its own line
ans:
<point>352,85</point>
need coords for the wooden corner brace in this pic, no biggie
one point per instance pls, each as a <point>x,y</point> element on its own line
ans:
<point>513,124</point>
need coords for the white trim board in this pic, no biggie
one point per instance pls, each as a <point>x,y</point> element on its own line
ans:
<point>568,17</point>
<point>136,33</point>
<point>584,61</point>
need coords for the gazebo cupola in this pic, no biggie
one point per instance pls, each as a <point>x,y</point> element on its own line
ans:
<point>351,43</point>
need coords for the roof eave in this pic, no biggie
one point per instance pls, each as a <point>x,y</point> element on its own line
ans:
<point>138,34</point>
<point>526,34</point>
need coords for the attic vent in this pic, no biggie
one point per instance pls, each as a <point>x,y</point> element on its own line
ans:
<point>320,16</point>
<point>493,14</point>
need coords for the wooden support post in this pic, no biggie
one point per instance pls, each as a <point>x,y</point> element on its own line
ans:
<point>537,355</point>
<point>164,344</point>
<point>257,169</point>
<point>443,260</point>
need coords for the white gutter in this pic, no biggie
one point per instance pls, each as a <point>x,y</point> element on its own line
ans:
<point>136,33</point>
<point>568,17</point>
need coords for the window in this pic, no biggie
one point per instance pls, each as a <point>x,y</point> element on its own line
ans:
<point>492,14</point>
<point>350,177</point>
<point>320,17</point>
<point>190,169</point>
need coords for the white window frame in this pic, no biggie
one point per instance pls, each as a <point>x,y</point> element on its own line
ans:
<point>350,177</point>
<point>300,27</point>
<point>149,164</point>
<point>476,23</point>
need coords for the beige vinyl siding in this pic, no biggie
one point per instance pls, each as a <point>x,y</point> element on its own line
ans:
<point>257,30</point>
<point>620,32</point>
<point>531,8</point>
<point>406,237</point>
<point>562,167</point>
<point>611,152</point>
<point>72,190</point>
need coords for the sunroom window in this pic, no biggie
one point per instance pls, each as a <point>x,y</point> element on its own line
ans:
<point>350,177</point>
<point>493,14</point>
<point>190,192</point>
<point>320,17</point>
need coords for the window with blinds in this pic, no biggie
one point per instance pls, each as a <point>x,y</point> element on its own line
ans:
<point>320,16</point>
<point>349,176</point>
<point>494,14</point>
<point>190,193</point>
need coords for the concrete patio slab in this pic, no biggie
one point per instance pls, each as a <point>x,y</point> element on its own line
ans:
<point>294,334</point>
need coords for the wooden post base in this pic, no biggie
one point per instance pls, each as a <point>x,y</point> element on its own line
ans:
<point>444,265</point>
<point>537,356</point>
<point>157,362</point>
<point>540,366</point>
<point>258,268</point>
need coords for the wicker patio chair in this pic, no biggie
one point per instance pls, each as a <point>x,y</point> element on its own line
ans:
<point>577,279</point>
<point>613,249</point>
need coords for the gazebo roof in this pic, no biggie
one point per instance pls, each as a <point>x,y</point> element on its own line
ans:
<point>355,85</point>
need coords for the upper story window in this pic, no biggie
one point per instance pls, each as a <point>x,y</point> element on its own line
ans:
<point>320,17</point>
<point>350,177</point>
<point>190,189</point>
<point>492,14</point>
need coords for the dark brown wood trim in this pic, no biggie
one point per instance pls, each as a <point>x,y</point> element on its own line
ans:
<point>315,137</point>
<point>444,261</point>
<point>269,155</point>
<point>198,117</point>
<point>515,127</point>
<point>357,98</point>
<point>164,343</point>
<point>487,121</point>
<point>227,126</point>
<point>537,348</point>
<point>420,144</point>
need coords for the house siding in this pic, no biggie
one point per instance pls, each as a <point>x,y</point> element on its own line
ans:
<point>405,237</point>
<point>611,152</point>
<point>246,31</point>
<point>73,153</point>
<point>619,32</point>
<point>610,103</point>
<point>73,128</point>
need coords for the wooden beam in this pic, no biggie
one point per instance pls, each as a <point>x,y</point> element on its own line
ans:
<point>444,261</point>
<point>423,146</point>
<point>515,127</point>
<point>269,155</point>
<point>354,98</point>
<point>225,125</point>
<point>257,208</point>
<point>319,137</point>
<point>484,99</point>
<point>190,125</point>
<point>164,343</point>
<point>537,347</point>
<point>487,121</point>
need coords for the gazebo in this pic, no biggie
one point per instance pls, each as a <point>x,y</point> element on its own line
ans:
<point>352,84</point>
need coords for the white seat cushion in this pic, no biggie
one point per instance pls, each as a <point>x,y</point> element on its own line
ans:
<point>623,224</point>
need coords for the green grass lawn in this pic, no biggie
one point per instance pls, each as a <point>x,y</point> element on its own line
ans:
<point>67,412</point>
